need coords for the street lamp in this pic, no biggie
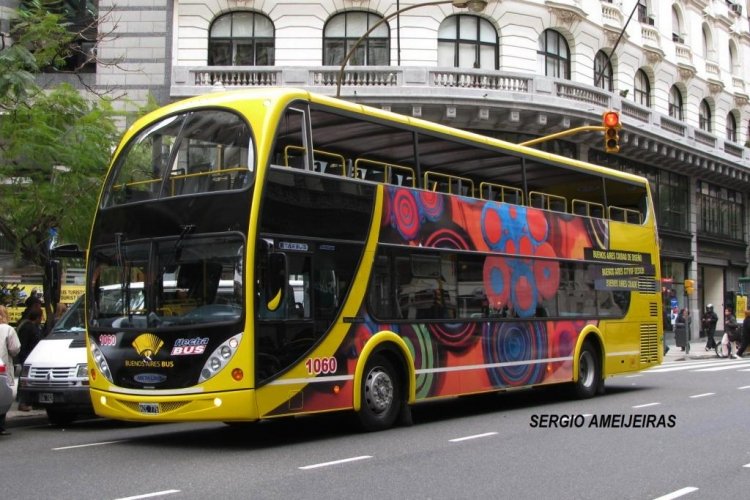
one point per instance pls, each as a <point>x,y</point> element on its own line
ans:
<point>472,5</point>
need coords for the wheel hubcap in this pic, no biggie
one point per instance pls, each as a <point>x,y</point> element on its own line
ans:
<point>586,369</point>
<point>378,390</point>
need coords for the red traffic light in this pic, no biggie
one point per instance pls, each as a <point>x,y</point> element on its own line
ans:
<point>611,119</point>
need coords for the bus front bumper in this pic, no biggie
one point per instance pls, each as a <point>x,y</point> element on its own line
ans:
<point>230,406</point>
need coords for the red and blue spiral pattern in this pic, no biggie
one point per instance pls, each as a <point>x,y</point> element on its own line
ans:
<point>517,348</point>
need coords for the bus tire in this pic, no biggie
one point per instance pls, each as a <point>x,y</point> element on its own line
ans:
<point>589,372</point>
<point>381,394</point>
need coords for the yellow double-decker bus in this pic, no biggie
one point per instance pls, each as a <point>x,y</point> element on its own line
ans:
<point>301,254</point>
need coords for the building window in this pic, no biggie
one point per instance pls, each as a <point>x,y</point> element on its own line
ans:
<point>553,55</point>
<point>731,128</point>
<point>343,30</point>
<point>241,39</point>
<point>603,71</point>
<point>642,11</point>
<point>642,89</point>
<point>733,67</point>
<point>704,116</point>
<point>672,204</point>
<point>676,26</point>
<point>720,212</point>
<point>675,103</point>
<point>466,41</point>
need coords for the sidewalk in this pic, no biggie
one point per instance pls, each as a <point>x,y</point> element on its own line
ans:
<point>17,418</point>
<point>697,351</point>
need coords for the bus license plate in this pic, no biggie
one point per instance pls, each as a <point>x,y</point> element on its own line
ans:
<point>150,408</point>
<point>46,397</point>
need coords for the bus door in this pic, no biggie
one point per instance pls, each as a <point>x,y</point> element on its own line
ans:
<point>284,319</point>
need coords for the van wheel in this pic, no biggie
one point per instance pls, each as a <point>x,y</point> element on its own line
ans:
<point>381,395</point>
<point>589,372</point>
<point>60,417</point>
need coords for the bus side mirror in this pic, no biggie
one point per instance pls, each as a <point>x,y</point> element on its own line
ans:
<point>52,282</point>
<point>276,281</point>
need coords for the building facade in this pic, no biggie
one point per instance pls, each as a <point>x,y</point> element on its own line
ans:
<point>518,69</point>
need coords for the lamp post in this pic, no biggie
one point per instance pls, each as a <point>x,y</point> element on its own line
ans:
<point>472,5</point>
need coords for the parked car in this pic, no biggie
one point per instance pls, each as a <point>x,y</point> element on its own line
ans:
<point>55,374</point>
<point>6,392</point>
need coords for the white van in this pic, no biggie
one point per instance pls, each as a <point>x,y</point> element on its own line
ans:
<point>55,375</point>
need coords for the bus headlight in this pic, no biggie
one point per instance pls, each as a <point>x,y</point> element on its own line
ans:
<point>220,357</point>
<point>101,363</point>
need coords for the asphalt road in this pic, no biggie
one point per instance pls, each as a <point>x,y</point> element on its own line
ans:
<point>673,432</point>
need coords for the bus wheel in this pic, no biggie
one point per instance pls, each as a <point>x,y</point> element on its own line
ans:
<point>589,372</point>
<point>380,393</point>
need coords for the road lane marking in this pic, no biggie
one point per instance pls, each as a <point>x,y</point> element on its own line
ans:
<point>335,462</point>
<point>678,493</point>
<point>702,395</point>
<point>475,436</point>
<point>646,405</point>
<point>150,495</point>
<point>744,387</point>
<point>634,376</point>
<point>725,366</point>
<point>747,465</point>
<point>102,443</point>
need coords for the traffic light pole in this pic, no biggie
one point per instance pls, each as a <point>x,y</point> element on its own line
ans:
<point>564,133</point>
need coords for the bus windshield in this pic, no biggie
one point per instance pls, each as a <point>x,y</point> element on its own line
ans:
<point>197,281</point>
<point>184,154</point>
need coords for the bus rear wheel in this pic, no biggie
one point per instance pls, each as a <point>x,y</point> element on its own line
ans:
<point>380,394</point>
<point>589,372</point>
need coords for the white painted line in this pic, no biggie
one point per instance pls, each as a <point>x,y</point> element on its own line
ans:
<point>646,405</point>
<point>678,493</point>
<point>747,465</point>
<point>634,376</point>
<point>703,395</point>
<point>743,387</point>
<point>87,445</point>
<point>151,495</point>
<point>725,366</point>
<point>475,436</point>
<point>335,462</point>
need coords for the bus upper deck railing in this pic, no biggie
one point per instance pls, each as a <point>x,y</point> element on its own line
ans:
<point>389,173</point>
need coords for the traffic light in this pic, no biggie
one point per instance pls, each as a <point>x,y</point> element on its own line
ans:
<point>689,286</point>
<point>612,126</point>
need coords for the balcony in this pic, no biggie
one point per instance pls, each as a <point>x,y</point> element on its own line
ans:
<point>485,100</point>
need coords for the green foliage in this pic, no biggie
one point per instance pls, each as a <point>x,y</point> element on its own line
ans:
<point>55,144</point>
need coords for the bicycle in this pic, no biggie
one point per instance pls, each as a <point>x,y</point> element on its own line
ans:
<point>732,344</point>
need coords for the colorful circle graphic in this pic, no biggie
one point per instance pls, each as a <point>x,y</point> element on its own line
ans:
<point>516,348</point>
<point>405,214</point>
<point>425,353</point>
<point>433,205</point>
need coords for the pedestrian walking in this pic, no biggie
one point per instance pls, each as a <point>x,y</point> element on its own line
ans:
<point>680,330</point>
<point>29,333</point>
<point>708,325</point>
<point>10,345</point>
<point>745,335</point>
<point>731,329</point>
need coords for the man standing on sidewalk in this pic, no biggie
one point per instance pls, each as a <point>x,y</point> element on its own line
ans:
<point>708,324</point>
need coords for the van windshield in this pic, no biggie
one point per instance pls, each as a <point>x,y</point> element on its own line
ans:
<point>72,321</point>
